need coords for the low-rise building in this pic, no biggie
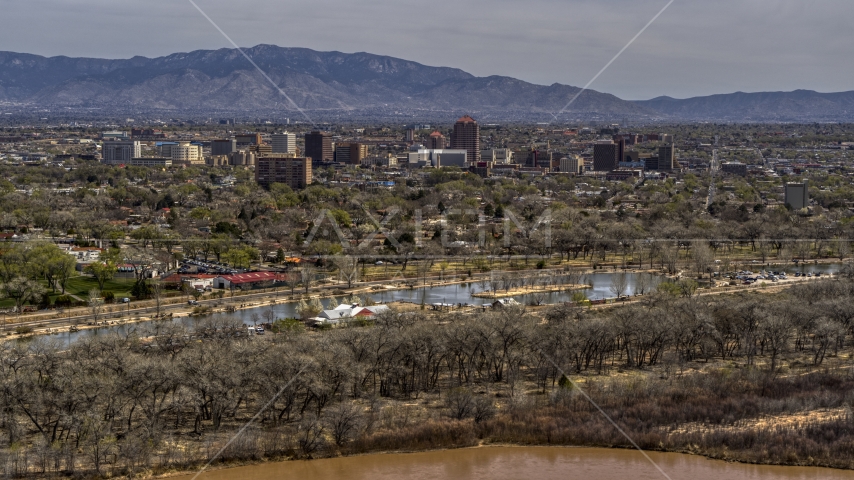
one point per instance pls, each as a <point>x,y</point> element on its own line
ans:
<point>734,168</point>
<point>247,280</point>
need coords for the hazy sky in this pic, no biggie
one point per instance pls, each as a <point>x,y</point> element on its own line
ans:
<point>697,47</point>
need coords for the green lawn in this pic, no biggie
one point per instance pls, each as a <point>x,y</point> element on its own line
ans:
<point>81,286</point>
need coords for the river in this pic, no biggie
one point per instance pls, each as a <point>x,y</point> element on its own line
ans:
<point>600,287</point>
<point>518,463</point>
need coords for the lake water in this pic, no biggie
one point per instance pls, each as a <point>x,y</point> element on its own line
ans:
<point>520,463</point>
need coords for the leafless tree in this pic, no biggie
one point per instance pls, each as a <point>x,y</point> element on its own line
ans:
<point>619,284</point>
<point>307,276</point>
<point>96,303</point>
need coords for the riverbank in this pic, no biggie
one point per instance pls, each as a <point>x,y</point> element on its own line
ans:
<point>515,292</point>
<point>510,462</point>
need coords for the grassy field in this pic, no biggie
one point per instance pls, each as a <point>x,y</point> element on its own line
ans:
<point>81,286</point>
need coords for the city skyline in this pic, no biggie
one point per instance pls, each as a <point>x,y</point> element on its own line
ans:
<point>782,45</point>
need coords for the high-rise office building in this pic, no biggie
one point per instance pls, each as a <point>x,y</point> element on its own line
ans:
<point>620,142</point>
<point>667,157</point>
<point>294,172</point>
<point>318,147</point>
<point>115,153</point>
<point>605,156</point>
<point>797,195</point>
<point>436,141</point>
<point>466,137</point>
<point>350,153</point>
<point>284,143</point>
<point>223,147</point>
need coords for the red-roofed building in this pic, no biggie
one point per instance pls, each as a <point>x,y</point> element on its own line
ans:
<point>248,280</point>
<point>436,141</point>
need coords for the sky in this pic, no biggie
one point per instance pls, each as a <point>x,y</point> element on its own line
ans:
<point>696,47</point>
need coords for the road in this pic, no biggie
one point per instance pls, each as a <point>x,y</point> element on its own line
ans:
<point>713,168</point>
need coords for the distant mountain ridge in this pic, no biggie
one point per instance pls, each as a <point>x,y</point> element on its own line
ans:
<point>796,106</point>
<point>222,80</point>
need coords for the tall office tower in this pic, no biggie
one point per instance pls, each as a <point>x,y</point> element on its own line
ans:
<point>667,157</point>
<point>223,147</point>
<point>797,195</point>
<point>115,153</point>
<point>466,137</point>
<point>410,135</point>
<point>620,142</point>
<point>604,156</point>
<point>293,172</point>
<point>284,143</point>
<point>318,147</point>
<point>436,141</point>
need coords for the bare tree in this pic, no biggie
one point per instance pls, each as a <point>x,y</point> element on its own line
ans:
<point>702,257</point>
<point>348,269</point>
<point>157,294</point>
<point>307,273</point>
<point>344,421</point>
<point>95,303</point>
<point>619,284</point>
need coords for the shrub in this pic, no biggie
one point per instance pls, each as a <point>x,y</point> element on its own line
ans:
<point>63,301</point>
<point>23,330</point>
<point>109,297</point>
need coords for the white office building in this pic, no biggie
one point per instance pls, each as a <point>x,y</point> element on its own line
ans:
<point>438,158</point>
<point>498,156</point>
<point>284,143</point>
<point>117,153</point>
<point>182,152</point>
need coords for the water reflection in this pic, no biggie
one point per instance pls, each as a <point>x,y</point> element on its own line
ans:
<point>600,287</point>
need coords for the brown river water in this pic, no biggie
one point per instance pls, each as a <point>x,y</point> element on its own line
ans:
<point>520,463</point>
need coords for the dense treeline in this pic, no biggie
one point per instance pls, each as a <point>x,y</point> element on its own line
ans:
<point>125,404</point>
<point>104,202</point>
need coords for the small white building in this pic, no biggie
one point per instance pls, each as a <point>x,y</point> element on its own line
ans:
<point>347,312</point>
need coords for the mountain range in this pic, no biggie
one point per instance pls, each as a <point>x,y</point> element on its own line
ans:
<point>208,81</point>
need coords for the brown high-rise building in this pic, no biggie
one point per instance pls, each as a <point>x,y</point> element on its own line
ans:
<point>605,156</point>
<point>318,147</point>
<point>466,137</point>
<point>436,141</point>
<point>620,142</point>
<point>293,172</point>
<point>667,157</point>
<point>350,153</point>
